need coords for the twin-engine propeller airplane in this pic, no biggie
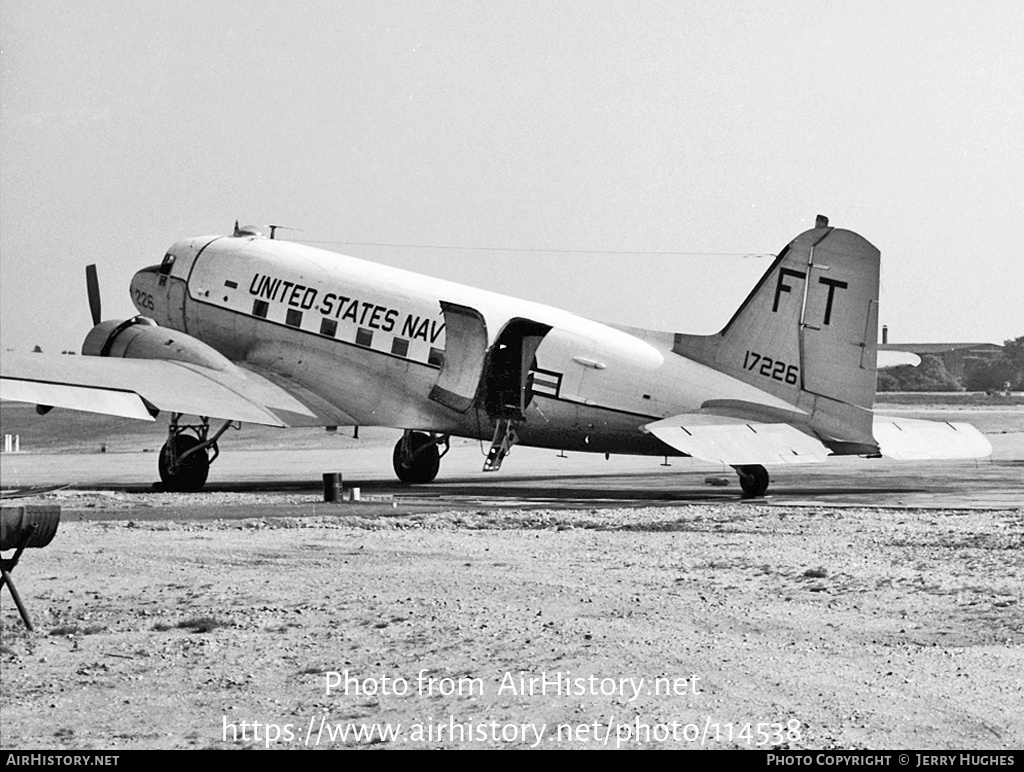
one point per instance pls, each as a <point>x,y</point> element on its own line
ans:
<point>245,328</point>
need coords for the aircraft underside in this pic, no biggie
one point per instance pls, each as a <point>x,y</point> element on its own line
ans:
<point>508,410</point>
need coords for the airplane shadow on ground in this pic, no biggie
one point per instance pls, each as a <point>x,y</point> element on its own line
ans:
<point>617,489</point>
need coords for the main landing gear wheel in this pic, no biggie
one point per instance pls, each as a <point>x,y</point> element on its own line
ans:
<point>753,480</point>
<point>416,458</point>
<point>183,474</point>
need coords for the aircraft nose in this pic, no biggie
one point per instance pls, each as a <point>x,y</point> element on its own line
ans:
<point>145,295</point>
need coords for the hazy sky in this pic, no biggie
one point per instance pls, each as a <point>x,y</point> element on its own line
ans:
<point>617,127</point>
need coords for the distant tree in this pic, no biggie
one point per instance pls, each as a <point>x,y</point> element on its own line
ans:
<point>886,382</point>
<point>989,376</point>
<point>993,375</point>
<point>930,375</point>
<point>1013,354</point>
<point>37,350</point>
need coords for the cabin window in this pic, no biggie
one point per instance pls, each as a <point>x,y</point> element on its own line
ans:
<point>260,308</point>
<point>167,264</point>
<point>364,337</point>
<point>400,347</point>
<point>328,327</point>
<point>293,318</point>
<point>436,357</point>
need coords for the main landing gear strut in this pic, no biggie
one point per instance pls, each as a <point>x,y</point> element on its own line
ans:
<point>753,480</point>
<point>417,457</point>
<point>186,456</point>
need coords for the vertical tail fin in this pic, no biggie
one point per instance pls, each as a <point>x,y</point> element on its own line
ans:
<point>808,334</point>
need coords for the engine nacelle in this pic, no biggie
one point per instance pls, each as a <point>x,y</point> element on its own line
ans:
<point>141,338</point>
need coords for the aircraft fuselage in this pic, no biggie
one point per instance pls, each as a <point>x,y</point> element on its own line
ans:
<point>370,345</point>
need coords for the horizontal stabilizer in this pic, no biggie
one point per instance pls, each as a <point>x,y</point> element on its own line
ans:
<point>737,442</point>
<point>910,439</point>
<point>888,359</point>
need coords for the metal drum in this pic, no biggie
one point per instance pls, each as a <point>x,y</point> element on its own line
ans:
<point>15,523</point>
<point>332,486</point>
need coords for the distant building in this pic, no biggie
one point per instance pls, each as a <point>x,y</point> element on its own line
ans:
<point>957,357</point>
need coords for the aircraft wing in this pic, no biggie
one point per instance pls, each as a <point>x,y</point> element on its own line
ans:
<point>736,441</point>
<point>137,388</point>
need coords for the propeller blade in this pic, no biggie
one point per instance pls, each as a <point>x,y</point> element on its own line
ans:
<point>92,284</point>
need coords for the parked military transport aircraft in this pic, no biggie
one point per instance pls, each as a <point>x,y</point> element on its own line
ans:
<point>245,328</point>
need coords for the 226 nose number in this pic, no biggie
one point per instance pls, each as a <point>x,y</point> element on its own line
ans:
<point>771,368</point>
<point>143,300</point>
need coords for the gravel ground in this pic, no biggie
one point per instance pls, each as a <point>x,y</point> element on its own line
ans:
<point>725,625</point>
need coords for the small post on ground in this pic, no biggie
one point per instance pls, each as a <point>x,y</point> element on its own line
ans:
<point>332,486</point>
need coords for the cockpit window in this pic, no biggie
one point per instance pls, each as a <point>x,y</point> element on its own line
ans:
<point>165,266</point>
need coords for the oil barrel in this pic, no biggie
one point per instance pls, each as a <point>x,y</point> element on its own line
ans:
<point>15,522</point>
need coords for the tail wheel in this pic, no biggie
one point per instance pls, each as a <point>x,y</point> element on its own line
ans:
<point>753,480</point>
<point>417,461</point>
<point>191,471</point>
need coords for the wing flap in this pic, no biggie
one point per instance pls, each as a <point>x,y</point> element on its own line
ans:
<point>736,442</point>
<point>107,385</point>
<point>913,439</point>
